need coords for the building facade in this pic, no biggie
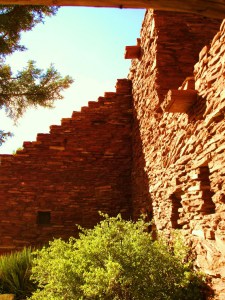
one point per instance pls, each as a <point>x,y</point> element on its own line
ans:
<point>156,145</point>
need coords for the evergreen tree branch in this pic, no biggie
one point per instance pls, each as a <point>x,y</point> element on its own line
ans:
<point>30,87</point>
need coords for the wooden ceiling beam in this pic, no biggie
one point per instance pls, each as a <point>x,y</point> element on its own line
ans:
<point>208,8</point>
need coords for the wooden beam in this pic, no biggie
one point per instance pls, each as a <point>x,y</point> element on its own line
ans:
<point>132,52</point>
<point>208,8</point>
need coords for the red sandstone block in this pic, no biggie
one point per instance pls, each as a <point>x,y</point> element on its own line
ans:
<point>132,52</point>
<point>43,137</point>
<point>93,104</point>
<point>123,89</point>
<point>109,94</point>
<point>27,144</point>
<point>101,100</point>
<point>124,82</point>
<point>76,114</point>
<point>85,109</point>
<point>65,121</point>
<point>55,128</point>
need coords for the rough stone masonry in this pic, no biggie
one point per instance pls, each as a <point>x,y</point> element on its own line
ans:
<point>178,133</point>
<point>156,145</point>
<point>66,176</point>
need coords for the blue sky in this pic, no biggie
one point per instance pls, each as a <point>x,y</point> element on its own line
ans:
<point>85,43</point>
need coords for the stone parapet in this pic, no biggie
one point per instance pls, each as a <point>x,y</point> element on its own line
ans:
<point>68,175</point>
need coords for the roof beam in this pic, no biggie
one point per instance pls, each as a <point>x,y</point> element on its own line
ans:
<point>208,8</point>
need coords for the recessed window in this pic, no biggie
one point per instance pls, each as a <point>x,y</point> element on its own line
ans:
<point>44,218</point>
<point>176,204</point>
<point>208,206</point>
<point>65,141</point>
<point>98,122</point>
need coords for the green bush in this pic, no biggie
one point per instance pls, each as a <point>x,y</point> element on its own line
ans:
<point>15,271</point>
<point>116,260</point>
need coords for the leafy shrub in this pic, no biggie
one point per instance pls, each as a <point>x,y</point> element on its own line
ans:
<point>15,271</point>
<point>115,260</point>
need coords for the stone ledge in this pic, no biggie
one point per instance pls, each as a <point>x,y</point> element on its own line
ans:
<point>179,101</point>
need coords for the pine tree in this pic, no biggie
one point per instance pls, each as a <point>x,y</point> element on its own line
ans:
<point>3,136</point>
<point>15,19</point>
<point>30,86</point>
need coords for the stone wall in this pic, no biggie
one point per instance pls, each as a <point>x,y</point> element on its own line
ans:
<point>66,176</point>
<point>179,137</point>
<point>163,157</point>
<point>170,44</point>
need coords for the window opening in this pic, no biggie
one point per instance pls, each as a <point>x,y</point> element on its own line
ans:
<point>44,218</point>
<point>176,204</point>
<point>208,206</point>
<point>65,141</point>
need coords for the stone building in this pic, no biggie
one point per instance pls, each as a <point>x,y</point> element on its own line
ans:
<point>178,133</point>
<point>155,145</point>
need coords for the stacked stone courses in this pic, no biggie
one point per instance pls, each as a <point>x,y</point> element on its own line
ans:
<point>155,146</point>
<point>179,124</point>
<point>65,177</point>
<point>162,66</point>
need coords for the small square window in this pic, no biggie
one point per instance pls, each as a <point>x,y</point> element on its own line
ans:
<point>44,218</point>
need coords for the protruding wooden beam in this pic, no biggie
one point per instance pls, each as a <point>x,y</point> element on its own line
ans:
<point>179,101</point>
<point>132,52</point>
<point>208,8</point>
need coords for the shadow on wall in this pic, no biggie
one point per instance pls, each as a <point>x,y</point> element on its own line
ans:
<point>141,198</point>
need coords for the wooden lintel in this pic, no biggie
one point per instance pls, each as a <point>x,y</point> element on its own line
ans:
<point>179,101</point>
<point>208,8</point>
<point>132,52</point>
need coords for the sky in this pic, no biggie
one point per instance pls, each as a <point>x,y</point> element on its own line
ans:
<point>86,43</point>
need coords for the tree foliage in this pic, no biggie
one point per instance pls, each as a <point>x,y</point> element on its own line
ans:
<point>3,136</point>
<point>15,19</point>
<point>30,86</point>
<point>116,260</point>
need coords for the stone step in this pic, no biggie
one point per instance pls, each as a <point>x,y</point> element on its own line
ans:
<point>43,137</point>
<point>123,86</point>
<point>93,104</point>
